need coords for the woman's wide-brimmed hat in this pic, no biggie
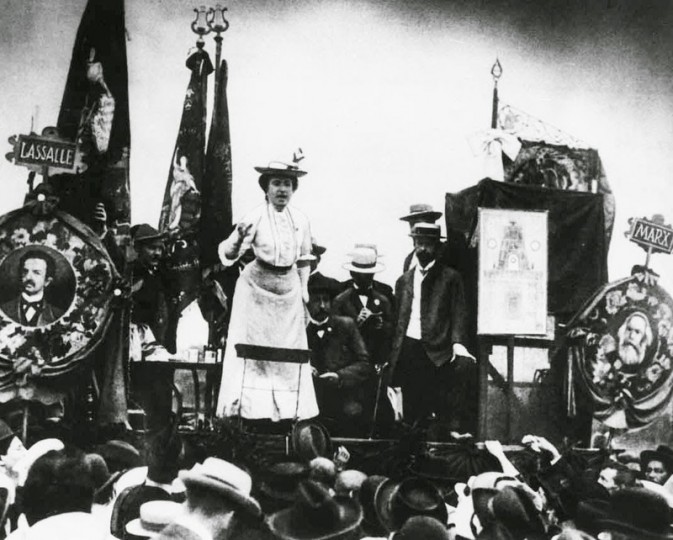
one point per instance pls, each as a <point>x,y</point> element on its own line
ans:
<point>662,453</point>
<point>316,515</point>
<point>395,502</point>
<point>421,212</point>
<point>364,260</point>
<point>310,439</point>
<point>281,168</point>
<point>154,517</point>
<point>226,480</point>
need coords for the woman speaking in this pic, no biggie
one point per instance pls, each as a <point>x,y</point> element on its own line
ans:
<point>268,305</point>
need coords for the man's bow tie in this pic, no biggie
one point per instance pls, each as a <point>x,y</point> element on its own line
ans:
<point>26,304</point>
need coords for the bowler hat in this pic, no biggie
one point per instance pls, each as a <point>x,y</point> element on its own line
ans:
<point>427,528</point>
<point>367,495</point>
<point>310,439</point>
<point>662,453</point>
<point>398,501</point>
<point>154,517</point>
<point>281,480</point>
<point>119,455</point>
<point>426,230</point>
<point>421,212</point>
<point>316,515</point>
<point>226,480</point>
<point>318,283</point>
<point>317,249</point>
<point>144,232</point>
<point>637,513</point>
<point>364,260</point>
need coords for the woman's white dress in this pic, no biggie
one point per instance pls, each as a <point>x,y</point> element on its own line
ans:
<point>268,310</point>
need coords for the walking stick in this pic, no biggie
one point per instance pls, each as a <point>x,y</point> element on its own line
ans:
<point>379,372</point>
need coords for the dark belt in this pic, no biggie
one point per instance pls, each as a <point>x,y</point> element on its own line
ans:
<point>272,267</point>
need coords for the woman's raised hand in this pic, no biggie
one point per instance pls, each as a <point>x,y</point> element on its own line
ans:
<point>243,229</point>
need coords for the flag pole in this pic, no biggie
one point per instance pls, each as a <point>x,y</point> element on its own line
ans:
<point>218,24</point>
<point>496,73</point>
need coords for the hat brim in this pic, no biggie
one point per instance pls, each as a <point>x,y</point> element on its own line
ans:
<point>135,528</point>
<point>293,173</point>
<point>628,529</point>
<point>283,524</point>
<point>307,454</point>
<point>433,236</point>
<point>378,267</point>
<point>268,491</point>
<point>432,215</point>
<point>245,502</point>
<point>382,504</point>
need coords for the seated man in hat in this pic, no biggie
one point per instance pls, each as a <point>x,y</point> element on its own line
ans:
<point>657,465</point>
<point>341,364</point>
<point>428,358</point>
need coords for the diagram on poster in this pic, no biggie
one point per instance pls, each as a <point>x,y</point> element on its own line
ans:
<point>512,272</point>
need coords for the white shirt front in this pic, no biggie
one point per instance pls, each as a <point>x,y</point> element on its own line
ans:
<point>414,327</point>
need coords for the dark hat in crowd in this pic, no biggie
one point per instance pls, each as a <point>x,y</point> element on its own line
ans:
<point>144,232</point>
<point>426,230</point>
<point>421,212</point>
<point>515,510</point>
<point>368,491</point>
<point>318,283</point>
<point>662,453</point>
<point>310,439</point>
<point>281,480</point>
<point>323,470</point>
<point>128,503</point>
<point>224,480</point>
<point>119,455</point>
<point>395,502</point>
<point>637,513</point>
<point>316,515</point>
<point>422,527</point>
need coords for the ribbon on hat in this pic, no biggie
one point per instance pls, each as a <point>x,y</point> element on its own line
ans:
<point>491,144</point>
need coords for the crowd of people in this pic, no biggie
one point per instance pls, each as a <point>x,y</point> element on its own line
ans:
<point>172,490</point>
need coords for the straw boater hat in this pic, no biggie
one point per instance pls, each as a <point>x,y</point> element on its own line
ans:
<point>364,260</point>
<point>316,515</point>
<point>421,212</point>
<point>154,517</point>
<point>226,480</point>
<point>426,230</point>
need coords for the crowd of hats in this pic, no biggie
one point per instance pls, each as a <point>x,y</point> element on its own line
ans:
<point>315,491</point>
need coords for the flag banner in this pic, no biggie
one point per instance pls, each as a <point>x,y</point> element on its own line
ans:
<point>554,159</point>
<point>621,351</point>
<point>216,213</point>
<point>95,114</point>
<point>185,175</point>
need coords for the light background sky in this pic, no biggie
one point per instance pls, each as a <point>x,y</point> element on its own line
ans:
<point>381,95</point>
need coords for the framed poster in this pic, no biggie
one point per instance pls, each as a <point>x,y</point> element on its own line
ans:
<point>512,272</point>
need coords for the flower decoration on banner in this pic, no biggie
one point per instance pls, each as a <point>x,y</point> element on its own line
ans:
<point>57,288</point>
<point>491,144</point>
<point>622,350</point>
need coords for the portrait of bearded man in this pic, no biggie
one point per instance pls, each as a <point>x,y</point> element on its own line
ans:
<point>635,336</point>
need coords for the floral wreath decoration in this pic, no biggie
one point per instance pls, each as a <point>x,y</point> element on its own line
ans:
<point>630,384</point>
<point>58,347</point>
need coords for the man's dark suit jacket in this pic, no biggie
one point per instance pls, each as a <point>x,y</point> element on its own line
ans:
<point>377,340</point>
<point>443,313</point>
<point>341,350</point>
<point>49,314</point>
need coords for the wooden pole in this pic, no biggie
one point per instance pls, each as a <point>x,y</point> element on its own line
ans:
<point>496,73</point>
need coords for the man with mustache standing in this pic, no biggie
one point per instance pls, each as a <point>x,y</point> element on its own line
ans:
<point>428,359</point>
<point>31,308</point>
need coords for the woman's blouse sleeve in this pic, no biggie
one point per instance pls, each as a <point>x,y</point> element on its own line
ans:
<point>229,244</point>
